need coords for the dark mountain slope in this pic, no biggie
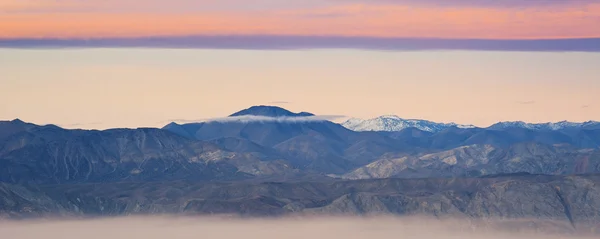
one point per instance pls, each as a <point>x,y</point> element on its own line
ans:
<point>477,160</point>
<point>573,201</point>
<point>456,137</point>
<point>8,128</point>
<point>328,147</point>
<point>49,154</point>
<point>323,146</point>
<point>271,111</point>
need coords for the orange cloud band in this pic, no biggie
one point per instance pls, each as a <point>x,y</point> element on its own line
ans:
<point>349,20</point>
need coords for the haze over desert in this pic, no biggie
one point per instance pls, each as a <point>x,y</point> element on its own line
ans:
<point>381,227</point>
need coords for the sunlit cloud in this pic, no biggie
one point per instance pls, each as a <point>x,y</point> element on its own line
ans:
<point>383,19</point>
<point>262,119</point>
<point>269,42</point>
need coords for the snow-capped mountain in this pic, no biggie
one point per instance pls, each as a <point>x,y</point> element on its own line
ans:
<point>393,123</point>
<point>546,126</point>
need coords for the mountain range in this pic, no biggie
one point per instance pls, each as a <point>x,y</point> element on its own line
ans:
<point>232,150</point>
<point>393,123</point>
<point>562,125</point>
<point>253,165</point>
<point>566,204</point>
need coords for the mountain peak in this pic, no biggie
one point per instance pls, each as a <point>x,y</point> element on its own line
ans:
<point>172,124</point>
<point>271,111</point>
<point>17,121</point>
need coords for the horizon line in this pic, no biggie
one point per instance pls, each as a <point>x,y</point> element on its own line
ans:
<point>317,118</point>
<point>298,42</point>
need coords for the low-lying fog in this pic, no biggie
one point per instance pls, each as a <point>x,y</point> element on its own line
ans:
<point>288,228</point>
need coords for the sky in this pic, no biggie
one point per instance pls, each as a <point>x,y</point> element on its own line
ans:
<point>130,63</point>
<point>124,87</point>
<point>488,19</point>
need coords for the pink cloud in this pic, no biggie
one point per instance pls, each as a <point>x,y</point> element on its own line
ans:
<point>404,18</point>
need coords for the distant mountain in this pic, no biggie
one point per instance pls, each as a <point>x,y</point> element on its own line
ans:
<point>327,147</point>
<point>525,201</point>
<point>323,146</point>
<point>49,154</point>
<point>391,123</point>
<point>8,128</point>
<point>271,111</point>
<point>477,160</point>
<point>562,125</point>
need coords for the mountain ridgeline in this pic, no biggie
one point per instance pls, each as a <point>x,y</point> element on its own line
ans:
<point>285,149</point>
<point>393,123</point>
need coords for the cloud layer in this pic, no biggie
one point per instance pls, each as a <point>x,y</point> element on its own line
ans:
<point>264,119</point>
<point>507,19</point>
<point>315,42</point>
<point>292,228</point>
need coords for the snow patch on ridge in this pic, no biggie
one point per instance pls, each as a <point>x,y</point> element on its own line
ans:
<point>394,123</point>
